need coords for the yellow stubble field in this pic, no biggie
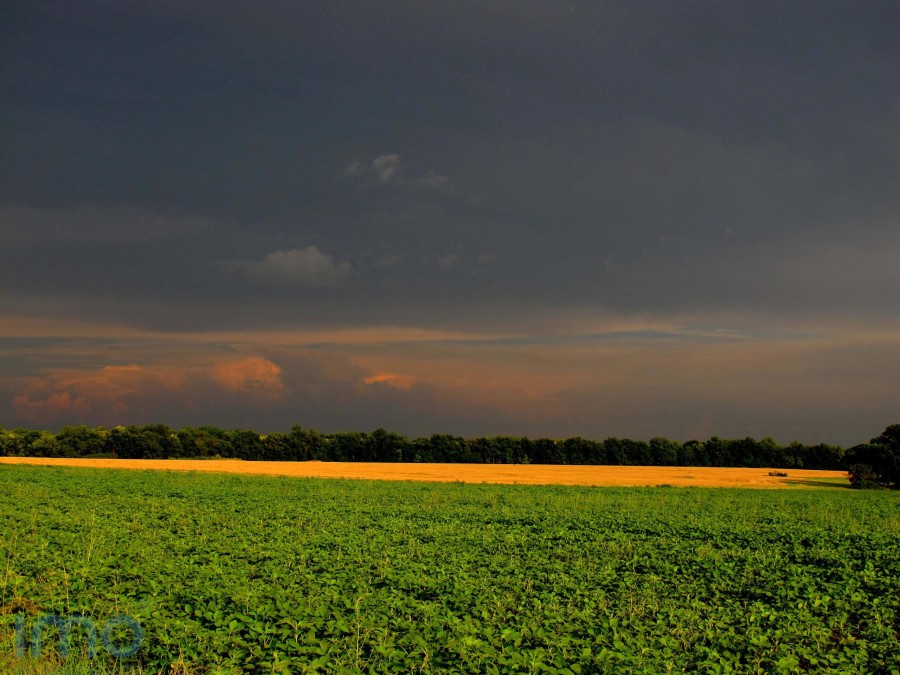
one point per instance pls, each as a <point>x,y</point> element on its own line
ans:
<point>525,474</point>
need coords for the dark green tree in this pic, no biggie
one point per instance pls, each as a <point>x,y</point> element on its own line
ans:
<point>81,441</point>
<point>348,446</point>
<point>876,463</point>
<point>19,440</point>
<point>274,447</point>
<point>298,444</point>
<point>245,444</point>
<point>614,452</point>
<point>637,453</point>
<point>47,445</point>
<point>890,438</point>
<point>664,452</point>
<point>691,453</point>
<point>420,450</point>
<point>550,451</point>
<point>447,448</point>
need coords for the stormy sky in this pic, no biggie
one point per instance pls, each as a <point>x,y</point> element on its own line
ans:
<point>531,217</point>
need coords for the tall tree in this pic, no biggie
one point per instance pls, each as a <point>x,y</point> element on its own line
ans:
<point>876,462</point>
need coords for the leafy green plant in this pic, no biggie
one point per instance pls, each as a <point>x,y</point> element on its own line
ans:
<point>238,574</point>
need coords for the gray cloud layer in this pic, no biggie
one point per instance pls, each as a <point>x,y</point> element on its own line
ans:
<point>468,166</point>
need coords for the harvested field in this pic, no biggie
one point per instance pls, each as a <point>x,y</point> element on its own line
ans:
<point>529,474</point>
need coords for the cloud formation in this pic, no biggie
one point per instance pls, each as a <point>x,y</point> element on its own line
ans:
<point>252,376</point>
<point>115,394</point>
<point>49,409</point>
<point>396,380</point>
<point>589,236</point>
<point>387,169</point>
<point>631,380</point>
<point>383,168</point>
<point>307,267</point>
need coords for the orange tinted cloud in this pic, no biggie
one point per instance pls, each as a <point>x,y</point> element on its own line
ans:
<point>104,389</point>
<point>392,379</point>
<point>117,390</point>
<point>253,375</point>
<point>49,408</point>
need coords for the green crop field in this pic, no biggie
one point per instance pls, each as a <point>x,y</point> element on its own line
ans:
<point>237,574</point>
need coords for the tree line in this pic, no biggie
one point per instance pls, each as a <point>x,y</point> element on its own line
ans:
<point>157,441</point>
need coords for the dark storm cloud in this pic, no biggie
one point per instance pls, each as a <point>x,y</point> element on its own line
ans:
<point>519,169</point>
<point>596,153</point>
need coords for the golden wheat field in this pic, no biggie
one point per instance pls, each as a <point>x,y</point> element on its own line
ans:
<point>527,474</point>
